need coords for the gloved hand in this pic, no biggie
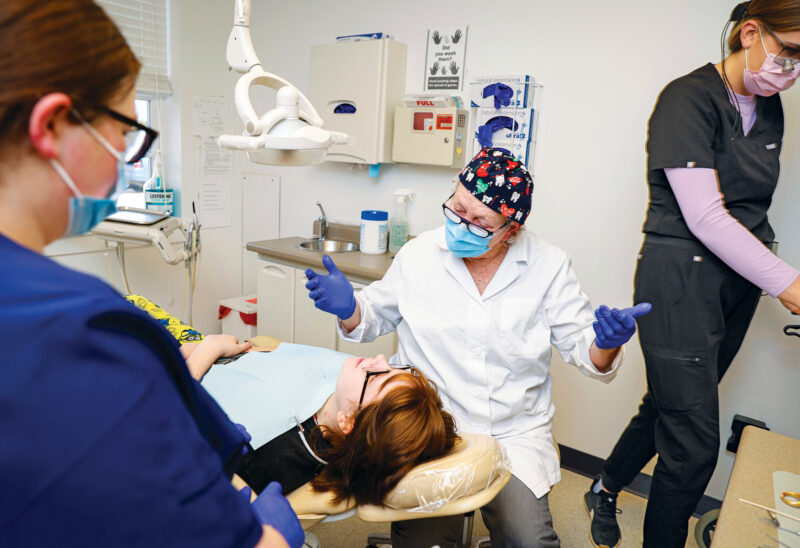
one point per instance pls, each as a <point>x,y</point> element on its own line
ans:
<point>247,437</point>
<point>274,510</point>
<point>613,327</point>
<point>331,293</point>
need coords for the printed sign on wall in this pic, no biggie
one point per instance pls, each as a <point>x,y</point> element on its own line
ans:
<point>445,55</point>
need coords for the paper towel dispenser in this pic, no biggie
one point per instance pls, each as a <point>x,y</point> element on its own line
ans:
<point>355,86</point>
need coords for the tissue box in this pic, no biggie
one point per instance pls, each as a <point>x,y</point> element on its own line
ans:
<point>524,118</point>
<point>521,84</point>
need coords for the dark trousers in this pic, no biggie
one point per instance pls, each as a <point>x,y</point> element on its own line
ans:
<point>701,312</point>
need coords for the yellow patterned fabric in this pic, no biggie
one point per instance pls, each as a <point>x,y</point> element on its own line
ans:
<point>184,333</point>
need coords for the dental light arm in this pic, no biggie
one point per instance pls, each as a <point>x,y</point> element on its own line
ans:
<point>289,134</point>
<point>240,54</point>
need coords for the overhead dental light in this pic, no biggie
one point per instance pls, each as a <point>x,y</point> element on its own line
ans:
<point>289,134</point>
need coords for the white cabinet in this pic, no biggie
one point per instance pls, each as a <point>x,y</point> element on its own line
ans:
<point>275,284</point>
<point>312,326</point>
<point>286,312</point>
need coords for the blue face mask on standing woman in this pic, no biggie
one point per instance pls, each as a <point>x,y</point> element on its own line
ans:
<point>86,212</point>
<point>463,243</point>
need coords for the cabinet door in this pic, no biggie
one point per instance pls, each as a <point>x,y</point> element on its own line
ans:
<point>276,300</point>
<point>385,344</point>
<point>312,326</point>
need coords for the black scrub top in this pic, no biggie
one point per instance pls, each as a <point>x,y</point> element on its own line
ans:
<point>693,125</point>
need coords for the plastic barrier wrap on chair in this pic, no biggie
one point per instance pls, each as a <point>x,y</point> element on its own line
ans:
<point>475,464</point>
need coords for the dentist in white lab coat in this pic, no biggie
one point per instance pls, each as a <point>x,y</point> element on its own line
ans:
<point>477,305</point>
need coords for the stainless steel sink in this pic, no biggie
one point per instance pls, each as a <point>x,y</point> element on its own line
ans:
<point>328,246</point>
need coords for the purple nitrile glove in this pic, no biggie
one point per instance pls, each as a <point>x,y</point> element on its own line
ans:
<point>332,292</point>
<point>273,509</point>
<point>501,92</point>
<point>247,437</point>
<point>613,327</point>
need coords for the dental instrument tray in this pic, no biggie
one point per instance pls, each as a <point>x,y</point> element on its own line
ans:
<point>143,227</point>
<point>136,216</point>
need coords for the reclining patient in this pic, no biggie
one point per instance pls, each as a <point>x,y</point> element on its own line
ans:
<point>351,426</point>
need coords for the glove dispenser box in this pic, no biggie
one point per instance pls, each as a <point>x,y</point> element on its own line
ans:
<point>355,87</point>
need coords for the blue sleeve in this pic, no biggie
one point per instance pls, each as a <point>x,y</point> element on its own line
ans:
<point>98,448</point>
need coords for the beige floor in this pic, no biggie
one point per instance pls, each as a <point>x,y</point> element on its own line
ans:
<point>566,504</point>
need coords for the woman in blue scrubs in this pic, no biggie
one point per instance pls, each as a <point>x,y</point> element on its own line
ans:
<point>105,439</point>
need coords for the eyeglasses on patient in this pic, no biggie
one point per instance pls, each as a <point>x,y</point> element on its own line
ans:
<point>138,139</point>
<point>477,230</point>
<point>369,373</point>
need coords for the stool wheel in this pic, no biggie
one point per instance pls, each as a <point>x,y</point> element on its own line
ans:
<point>704,530</point>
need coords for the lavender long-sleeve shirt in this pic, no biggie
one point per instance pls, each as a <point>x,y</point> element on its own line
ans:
<point>703,208</point>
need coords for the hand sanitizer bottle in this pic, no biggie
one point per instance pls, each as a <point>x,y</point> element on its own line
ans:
<point>398,227</point>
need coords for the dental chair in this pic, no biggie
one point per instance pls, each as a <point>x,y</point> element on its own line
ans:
<point>465,479</point>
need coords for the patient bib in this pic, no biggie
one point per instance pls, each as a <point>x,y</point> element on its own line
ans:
<point>264,391</point>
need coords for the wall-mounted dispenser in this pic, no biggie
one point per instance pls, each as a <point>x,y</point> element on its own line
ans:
<point>355,86</point>
<point>431,130</point>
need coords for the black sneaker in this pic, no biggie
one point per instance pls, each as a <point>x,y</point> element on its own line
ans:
<point>602,508</point>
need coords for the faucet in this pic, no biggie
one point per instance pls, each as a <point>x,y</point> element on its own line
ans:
<point>323,224</point>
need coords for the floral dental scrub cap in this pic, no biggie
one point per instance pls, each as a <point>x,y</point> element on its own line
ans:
<point>501,182</point>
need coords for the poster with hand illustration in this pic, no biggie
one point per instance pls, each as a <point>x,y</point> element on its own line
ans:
<point>445,57</point>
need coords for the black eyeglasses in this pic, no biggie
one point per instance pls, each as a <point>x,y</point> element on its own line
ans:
<point>137,141</point>
<point>375,374</point>
<point>478,230</point>
<point>792,57</point>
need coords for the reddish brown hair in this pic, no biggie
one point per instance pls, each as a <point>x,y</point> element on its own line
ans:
<point>778,15</point>
<point>68,46</point>
<point>407,427</point>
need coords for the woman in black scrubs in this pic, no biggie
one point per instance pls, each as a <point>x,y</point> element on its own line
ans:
<point>713,163</point>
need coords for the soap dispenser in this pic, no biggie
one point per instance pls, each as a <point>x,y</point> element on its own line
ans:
<point>398,226</point>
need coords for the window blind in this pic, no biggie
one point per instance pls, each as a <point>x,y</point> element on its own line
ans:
<point>144,25</point>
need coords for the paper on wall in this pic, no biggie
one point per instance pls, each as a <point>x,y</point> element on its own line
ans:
<point>212,116</point>
<point>445,57</point>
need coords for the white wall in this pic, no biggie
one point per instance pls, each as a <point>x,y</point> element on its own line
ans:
<point>602,65</point>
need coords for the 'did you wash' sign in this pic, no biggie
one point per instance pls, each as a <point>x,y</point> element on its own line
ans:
<point>444,58</point>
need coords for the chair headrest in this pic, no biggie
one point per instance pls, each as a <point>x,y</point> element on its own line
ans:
<point>471,466</point>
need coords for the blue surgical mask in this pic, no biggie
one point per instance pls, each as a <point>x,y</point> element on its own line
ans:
<point>463,243</point>
<point>86,212</point>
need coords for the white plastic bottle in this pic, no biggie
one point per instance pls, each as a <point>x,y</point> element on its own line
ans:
<point>398,227</point>
<point>374,227</point>
<point>157,197</point>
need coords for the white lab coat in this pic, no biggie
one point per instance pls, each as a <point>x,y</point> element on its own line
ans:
<point>488,354</point>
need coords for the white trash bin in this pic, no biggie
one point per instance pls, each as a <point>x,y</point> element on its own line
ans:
<point>239,316</point>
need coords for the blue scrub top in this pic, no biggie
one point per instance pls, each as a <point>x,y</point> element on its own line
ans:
<point>105,439</point>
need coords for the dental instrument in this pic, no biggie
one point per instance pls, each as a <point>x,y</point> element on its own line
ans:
<point>770,510</point>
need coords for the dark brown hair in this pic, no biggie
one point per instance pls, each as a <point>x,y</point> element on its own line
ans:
<point>68,46</point>
<point>407,427</point>
<point>778,15</point>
